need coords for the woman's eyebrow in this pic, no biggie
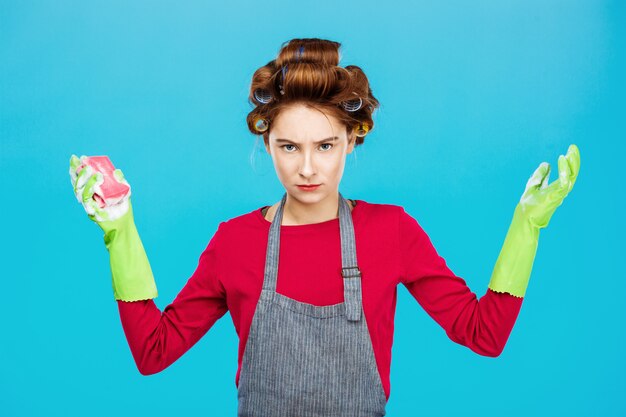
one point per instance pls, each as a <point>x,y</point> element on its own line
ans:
<point>330,139</point>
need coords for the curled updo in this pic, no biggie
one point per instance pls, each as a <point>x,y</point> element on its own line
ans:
<point>306,71</point>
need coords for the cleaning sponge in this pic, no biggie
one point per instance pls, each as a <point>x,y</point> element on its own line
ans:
<point>111,191</point>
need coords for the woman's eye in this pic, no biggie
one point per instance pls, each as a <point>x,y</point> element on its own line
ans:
<point>323,144</point>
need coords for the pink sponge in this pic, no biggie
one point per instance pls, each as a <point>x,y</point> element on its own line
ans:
<point>110,192</point>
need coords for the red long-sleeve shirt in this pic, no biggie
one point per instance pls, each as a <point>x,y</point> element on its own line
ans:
<point>392,248</point>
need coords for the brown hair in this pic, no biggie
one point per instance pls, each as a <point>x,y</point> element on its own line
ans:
<point>311,77</point>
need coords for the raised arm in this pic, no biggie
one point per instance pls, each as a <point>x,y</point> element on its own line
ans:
<point>156,339</point>
<point>484,325</point>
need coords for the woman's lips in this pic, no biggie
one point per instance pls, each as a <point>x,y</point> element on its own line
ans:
<point>308,187</point>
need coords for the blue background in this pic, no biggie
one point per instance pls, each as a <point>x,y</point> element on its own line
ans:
<point>474,97</point>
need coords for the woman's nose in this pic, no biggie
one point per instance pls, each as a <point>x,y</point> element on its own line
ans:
<point>307,167</point>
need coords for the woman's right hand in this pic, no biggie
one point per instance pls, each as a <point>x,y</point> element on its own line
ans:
<point>131,274</point>
<point>87,182</point>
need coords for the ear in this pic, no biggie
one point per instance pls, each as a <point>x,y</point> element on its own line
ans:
<point>351,142</point>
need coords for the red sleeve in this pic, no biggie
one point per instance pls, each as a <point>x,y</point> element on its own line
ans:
<point>158,339</point>
<point>482,325</point>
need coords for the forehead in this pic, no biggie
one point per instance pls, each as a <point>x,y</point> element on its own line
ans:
<point>302,122</point>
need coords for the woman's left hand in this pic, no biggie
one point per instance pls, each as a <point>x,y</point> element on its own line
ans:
<point>533,212</point>
<point>540,200</point>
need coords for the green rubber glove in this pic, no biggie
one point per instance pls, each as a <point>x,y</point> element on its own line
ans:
<point>132,276</point>
<point>533,212</point>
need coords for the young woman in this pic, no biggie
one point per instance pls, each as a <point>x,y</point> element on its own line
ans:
<point>311,281</point>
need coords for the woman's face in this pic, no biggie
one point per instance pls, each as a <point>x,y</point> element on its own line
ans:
<point>308,147</point>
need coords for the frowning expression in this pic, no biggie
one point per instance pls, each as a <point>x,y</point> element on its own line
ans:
<point>308,147</point>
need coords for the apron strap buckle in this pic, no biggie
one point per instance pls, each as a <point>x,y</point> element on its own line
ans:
<point>349,272</point>
<point>352,292</point>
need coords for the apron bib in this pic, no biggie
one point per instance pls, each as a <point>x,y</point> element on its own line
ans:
<point>303,360</point>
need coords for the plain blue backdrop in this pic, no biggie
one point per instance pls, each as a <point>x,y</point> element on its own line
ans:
<point>474,96</point>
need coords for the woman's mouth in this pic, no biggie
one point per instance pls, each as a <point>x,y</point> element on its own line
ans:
<point>309,187</point>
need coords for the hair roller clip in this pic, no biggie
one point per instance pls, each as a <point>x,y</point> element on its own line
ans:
<point>280,85</point>
<point>299,53</point>
<point>361,130</point>
<point>262,95</point>
<point>352,105</point>
<point>261,125</point>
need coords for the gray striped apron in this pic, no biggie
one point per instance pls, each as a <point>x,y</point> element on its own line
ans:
<point>303,360</point>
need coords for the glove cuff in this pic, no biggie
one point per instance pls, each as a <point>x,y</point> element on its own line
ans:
<point>132,277</point>
<point>511,272</point>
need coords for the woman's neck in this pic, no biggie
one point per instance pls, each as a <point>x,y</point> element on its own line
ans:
<point>269,211</point>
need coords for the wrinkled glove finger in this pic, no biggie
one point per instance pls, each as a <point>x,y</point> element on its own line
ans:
<point>96,213</point>
<point>82,179</point>
<point>538,176</point>
<point>565,171</point>
<point>95,179</point>
<point>119,177</point>
<point>99,215</point>
<point>559,187</point>
<point>75,161</point>
<point>565,175</point>
<point>573,158</point>
<point>546,178</point>
<point>91,207</point>
<point>74,164</point>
